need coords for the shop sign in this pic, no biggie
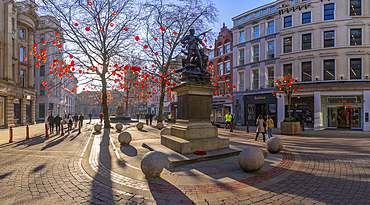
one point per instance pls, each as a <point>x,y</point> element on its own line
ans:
<point>260,97</point>
<point>28,97</point>
<point>152,106</point>
<point>344,101</point>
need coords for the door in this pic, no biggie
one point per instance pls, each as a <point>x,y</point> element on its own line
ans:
<point>332,117</point>
<point>344,117</point>
<point>355,118</point>
<point>261,110</point>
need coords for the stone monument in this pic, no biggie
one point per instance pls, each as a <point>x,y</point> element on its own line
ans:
<point>193,130</point>
<point>119,115</point>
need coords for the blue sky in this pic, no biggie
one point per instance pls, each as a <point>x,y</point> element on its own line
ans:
<point>230,8</point>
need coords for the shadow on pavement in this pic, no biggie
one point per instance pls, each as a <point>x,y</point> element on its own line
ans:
<point>176,196</point>
<point>128,150</point>
<point>39,168</point>
<point>5,175</point>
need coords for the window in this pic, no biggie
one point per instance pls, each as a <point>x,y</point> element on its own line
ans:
<point>13,24</point>
<point>271,50</point>
<point>42,89</point>
<point>256,53</point>
<point>42,70</point>
<point>287,70</point>
<point>228,67</point>
<point>355,7</point>
<point>306,71</point>
<point>21,76</point>
<point>246,18</point>
<point>221,69</point>
<point>222,86</point>
<point>329,70</point>
<point>241,37</point>
<point>287,21</point>
<point>355,37</point>
<point>328,12</point>
<point>256,32</point>
<point>22,33</point>
<point>13,43</point>
<point>256,14</point>
<point>287,45</point>
<point>21,54</point>
<point>42,110</point>
<point>241,57</point>
<point>271,28</point>
<point>51,106</point>
<point>220,51</point>
<point>241,81</point>
<point>292,2</point>
<point>356,68</point>
<point>255,79</point>
<point>306,17</point>
<point>306,41</point>
<point>264,11</point>
<point>211,55</point>
<point>329,39</point>
<point>272,8</point>
<point>270,77</point>
<point>227,49</point>
<point>239,20</point>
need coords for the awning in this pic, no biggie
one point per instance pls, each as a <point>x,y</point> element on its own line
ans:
<point>218,105</point>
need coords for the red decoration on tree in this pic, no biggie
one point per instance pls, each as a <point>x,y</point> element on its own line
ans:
<point>87,29</point>
<point>126,29</point>
<point>137,38</point>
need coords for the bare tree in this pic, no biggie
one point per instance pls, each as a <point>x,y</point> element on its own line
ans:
<point>167,22</point>
<point>98,34</point>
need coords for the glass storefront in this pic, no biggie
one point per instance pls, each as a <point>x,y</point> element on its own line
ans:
<point>259,105</point>
<point>344,112</point>
<point>17,111</point>
<point>2,111</point>
<point>302,108</point>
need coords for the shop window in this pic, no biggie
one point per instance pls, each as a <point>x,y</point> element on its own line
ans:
<point>355,7</point>
<point>255,79</point>
<point>288,21</point>
<point>306,71</point>
<point>329,70</point>
<point>28,111</point>
<point>2,111</point>
<point>355,68</point>
<point>270,77</point>
<point>287,70</point>
<point>355,37</point>
<point>287,45</point>
<point>328,12</point>
<point>271,50</point>
<point>17,111</point>
<point>306,41</point>
<point>256,53</point>
<point>306,17</point>
<point>329,39</point>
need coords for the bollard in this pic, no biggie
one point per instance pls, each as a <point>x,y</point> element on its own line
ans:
<point>27,133</point>
<point>302,125</point>
<point>11,134</point>
<point>46,130</point>
<point>247,127</point>
<point>231,127</point>
<point>79,127</point>
<point>213,123</point>
<point>61,129</point>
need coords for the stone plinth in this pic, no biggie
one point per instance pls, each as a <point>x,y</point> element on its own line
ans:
<point>193,130</point>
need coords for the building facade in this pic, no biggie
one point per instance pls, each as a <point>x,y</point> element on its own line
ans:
<point>324,45</point>
<point>18,23</point>
<point>220,59</point>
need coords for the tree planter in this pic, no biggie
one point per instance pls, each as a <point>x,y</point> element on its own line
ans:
<point>290,128</point>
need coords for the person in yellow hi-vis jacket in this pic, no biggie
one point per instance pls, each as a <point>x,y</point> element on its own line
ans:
<point>228,119</point>
<point>269,126</point>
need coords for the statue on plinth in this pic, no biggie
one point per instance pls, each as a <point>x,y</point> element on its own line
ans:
<point>194,66</point>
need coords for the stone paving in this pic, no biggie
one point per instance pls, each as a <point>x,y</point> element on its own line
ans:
<point>316,167</point>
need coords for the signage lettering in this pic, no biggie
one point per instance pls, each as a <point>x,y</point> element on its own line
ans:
<point>259,97</point>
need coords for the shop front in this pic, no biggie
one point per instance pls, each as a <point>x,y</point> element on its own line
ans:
<point>344,112</point>
<point>301,107</point>
<point>17,111</point>
<point>2,111</point>
<point>263,104</point>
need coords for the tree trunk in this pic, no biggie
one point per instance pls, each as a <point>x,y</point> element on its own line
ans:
<point>160,114</point>
<point>126,108</point>
<point>105,104</point>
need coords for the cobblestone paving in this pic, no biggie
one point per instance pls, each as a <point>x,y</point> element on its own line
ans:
<point>336,170</point>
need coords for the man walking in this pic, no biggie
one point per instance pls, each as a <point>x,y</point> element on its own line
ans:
<point>147,118</point>
<point>75,119</point>
<point>81,118</point>
<point>90,116</point>
<point>169,117</point>
<point>51,122</point>
<point>57,120</point>
<point>150,118</point>
<point>228,120</point>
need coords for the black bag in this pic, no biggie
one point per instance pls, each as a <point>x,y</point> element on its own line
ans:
<point>264,124</point>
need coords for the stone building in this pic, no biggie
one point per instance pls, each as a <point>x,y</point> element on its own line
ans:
<point>324,45</point>
<point>18,23</point>
<point>221,61</point>
<point>59,101</point>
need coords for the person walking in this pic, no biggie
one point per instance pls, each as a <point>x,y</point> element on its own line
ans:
<point>269,126</point>
<point>70,122</point>
<point>47,121</point>
<point>150,118</point>
<point>51,122</point>
<point>57,120</point>
<point>90,116</point>
<point>260,127</point>
<point>101,117</point>
<point>81,119</point>
<point>169,117</point>
<point>75,119</point>
<point>228,120</point>
<point>137,116</point>
<point>147,118</point>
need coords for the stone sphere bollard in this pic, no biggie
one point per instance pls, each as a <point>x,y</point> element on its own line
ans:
<point>140,126</point>
<point>160,125</point>
<point>274,145</point>
<point>153,163</point>
<point>251,159</point>
<point>119,126</point>
<point>124,138</point>
<point>165,131</point>
<point>97,128</point>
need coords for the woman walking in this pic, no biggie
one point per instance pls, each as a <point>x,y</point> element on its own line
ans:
<point>270,125</point>
<point>260,127</point>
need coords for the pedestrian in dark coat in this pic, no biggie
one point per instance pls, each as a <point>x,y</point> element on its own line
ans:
<point>90,116</point>
<point>57,120</point>
<point>81,118</point>
<point>146,118</point>
<point>51,122</point>
<point>150,118</point>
